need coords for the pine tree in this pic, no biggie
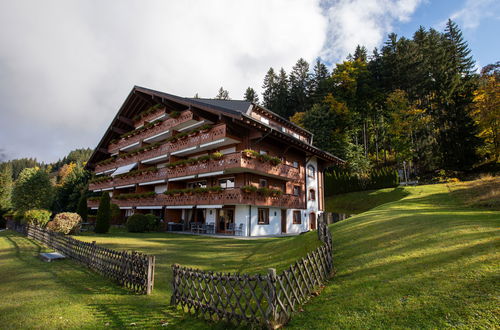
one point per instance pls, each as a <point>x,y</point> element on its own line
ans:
<point>300,81</point>
<point>270,87</point>
<point>360,54</point>
<point>103,215</point>
<point>251,95</point>
<point>281,105</point>
<point>222,94</point>
<point>82,208</point>
<point>318,84</point>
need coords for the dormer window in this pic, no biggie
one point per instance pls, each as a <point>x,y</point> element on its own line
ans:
<point>311,171</point>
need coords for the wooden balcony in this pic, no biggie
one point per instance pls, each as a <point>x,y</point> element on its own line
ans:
<point>149,117</point>
<point>217,133</point>
<point>164,126</point>
<point>161,174</point>
<point>101,185</point>
<point>236,162</point>
<point>226,197</point>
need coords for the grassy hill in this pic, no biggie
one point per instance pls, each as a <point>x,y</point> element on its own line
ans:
<point>425,257</point>
<point>427,260</point>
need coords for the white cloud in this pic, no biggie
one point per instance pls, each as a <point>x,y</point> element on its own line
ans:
<point>363,22</point>
<point>66,66</point>
<point>470,16</point>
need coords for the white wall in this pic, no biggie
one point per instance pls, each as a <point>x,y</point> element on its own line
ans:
<point>210,218</point>
<point>292,228</point>
<point>242,215</point>
<point>312,183</point>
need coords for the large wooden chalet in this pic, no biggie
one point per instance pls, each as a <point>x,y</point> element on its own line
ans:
<point>214,166</point>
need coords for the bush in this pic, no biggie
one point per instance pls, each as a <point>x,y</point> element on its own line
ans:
<point>66,223</point>
<point>103,215</point>
<point>37,217</point>
<point>153,222</point>
<point>139,223</point>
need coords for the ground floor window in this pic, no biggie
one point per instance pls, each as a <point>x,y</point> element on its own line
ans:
<point>263,217</point>
<point>297,219</point>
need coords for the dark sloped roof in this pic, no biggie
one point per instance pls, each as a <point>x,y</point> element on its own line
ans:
<point>234,106</point>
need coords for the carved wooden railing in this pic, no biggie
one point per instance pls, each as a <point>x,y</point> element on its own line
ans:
<point>152,131</point>
<point>226,197</point>
<point>217,132</point>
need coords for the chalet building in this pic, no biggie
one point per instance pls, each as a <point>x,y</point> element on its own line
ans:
<point>215,166</point>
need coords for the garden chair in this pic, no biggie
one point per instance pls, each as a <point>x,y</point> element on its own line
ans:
<point>203,229</point>
<point>230,228</point>
<point>239,230</point>
<point>211,228</point>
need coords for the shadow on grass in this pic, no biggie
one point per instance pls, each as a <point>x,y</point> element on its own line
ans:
<point>362,201</point>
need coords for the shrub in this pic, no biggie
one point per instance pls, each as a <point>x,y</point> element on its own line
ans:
<point>37,217</point>
<point>153,222</point>
<point>137,223</point>
<point>82,209</point>
<point>66,223</point>
<point>103,215</point>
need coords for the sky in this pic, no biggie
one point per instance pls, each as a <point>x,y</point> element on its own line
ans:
<point>66,66</point>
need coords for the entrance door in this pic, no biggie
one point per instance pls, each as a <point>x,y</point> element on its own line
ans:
<point>199,216</point>
<point>312,220</point>
<point>283,221</point>
<point>224,218</point>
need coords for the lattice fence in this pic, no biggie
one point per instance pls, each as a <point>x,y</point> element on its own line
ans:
<point>268,299</point>
<point>132,270</point>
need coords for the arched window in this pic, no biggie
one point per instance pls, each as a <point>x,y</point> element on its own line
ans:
<point>312,195</point>
<point>311,171</point>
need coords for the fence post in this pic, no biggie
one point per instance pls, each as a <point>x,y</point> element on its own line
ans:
<point>272,309</point>
<point>151,274</point>
<point>173,299</point>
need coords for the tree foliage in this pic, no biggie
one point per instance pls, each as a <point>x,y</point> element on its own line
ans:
<point>5,186</point>
<point>32,190</point>
<point>103,214</point>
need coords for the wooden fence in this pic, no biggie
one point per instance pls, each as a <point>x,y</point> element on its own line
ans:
<point>132,270</point>
<point>266,299</point>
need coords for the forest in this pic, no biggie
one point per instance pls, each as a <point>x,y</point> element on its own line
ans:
<point>418,101</point>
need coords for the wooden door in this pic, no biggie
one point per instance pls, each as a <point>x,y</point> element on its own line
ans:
<point>225,216</point>
<point>283,221</point>
<point>312,220</point>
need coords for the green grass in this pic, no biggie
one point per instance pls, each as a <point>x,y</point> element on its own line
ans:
<point>428,260</point>
<point>424,257</point>
<point>359,202</point>
<point>64,294</point>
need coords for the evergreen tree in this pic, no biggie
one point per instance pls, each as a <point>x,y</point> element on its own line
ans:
<point>251,95</point>
<point>222,94</point>
<point>318,86</point>
<point>281,102</point>
<point>82,208</point>
<point>270,89</point>
<point>67,192</point>
<point>300,81</point>
<point>5,186</point>
<point>360,54</point>
<point>103,215</point>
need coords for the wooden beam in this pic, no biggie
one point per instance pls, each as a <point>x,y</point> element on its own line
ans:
<point>125,120</point>
<point>118,130</point>
<point>103,150</point>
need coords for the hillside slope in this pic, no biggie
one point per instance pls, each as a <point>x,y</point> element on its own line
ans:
<point>428,260</point>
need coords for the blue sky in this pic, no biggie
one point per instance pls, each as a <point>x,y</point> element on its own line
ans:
<point>66,66</point>
<point>479,22</point>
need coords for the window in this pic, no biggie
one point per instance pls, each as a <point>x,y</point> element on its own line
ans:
<point>312,195</point>
<point>226,183</point>
<point>262,183</point>
<point>197,184</point>
<point>311,171</point>
<point>264,120</point>
<point>263,217</point>
<point>263,152</point>
<point>228,150</point>
<point>297,219</point>
<point>296,190</point>
<point>295,164</point>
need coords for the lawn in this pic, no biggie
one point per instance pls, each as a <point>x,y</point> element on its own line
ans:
<point>64,294</point>
<point>428,260</point>
<point>424,257</point>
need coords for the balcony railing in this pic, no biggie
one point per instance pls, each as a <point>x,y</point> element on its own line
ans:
<point>217,132</point>
<point>152,131</point>
<point>231,161</point>
<point>226,197</point>
<point>149,117</point>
